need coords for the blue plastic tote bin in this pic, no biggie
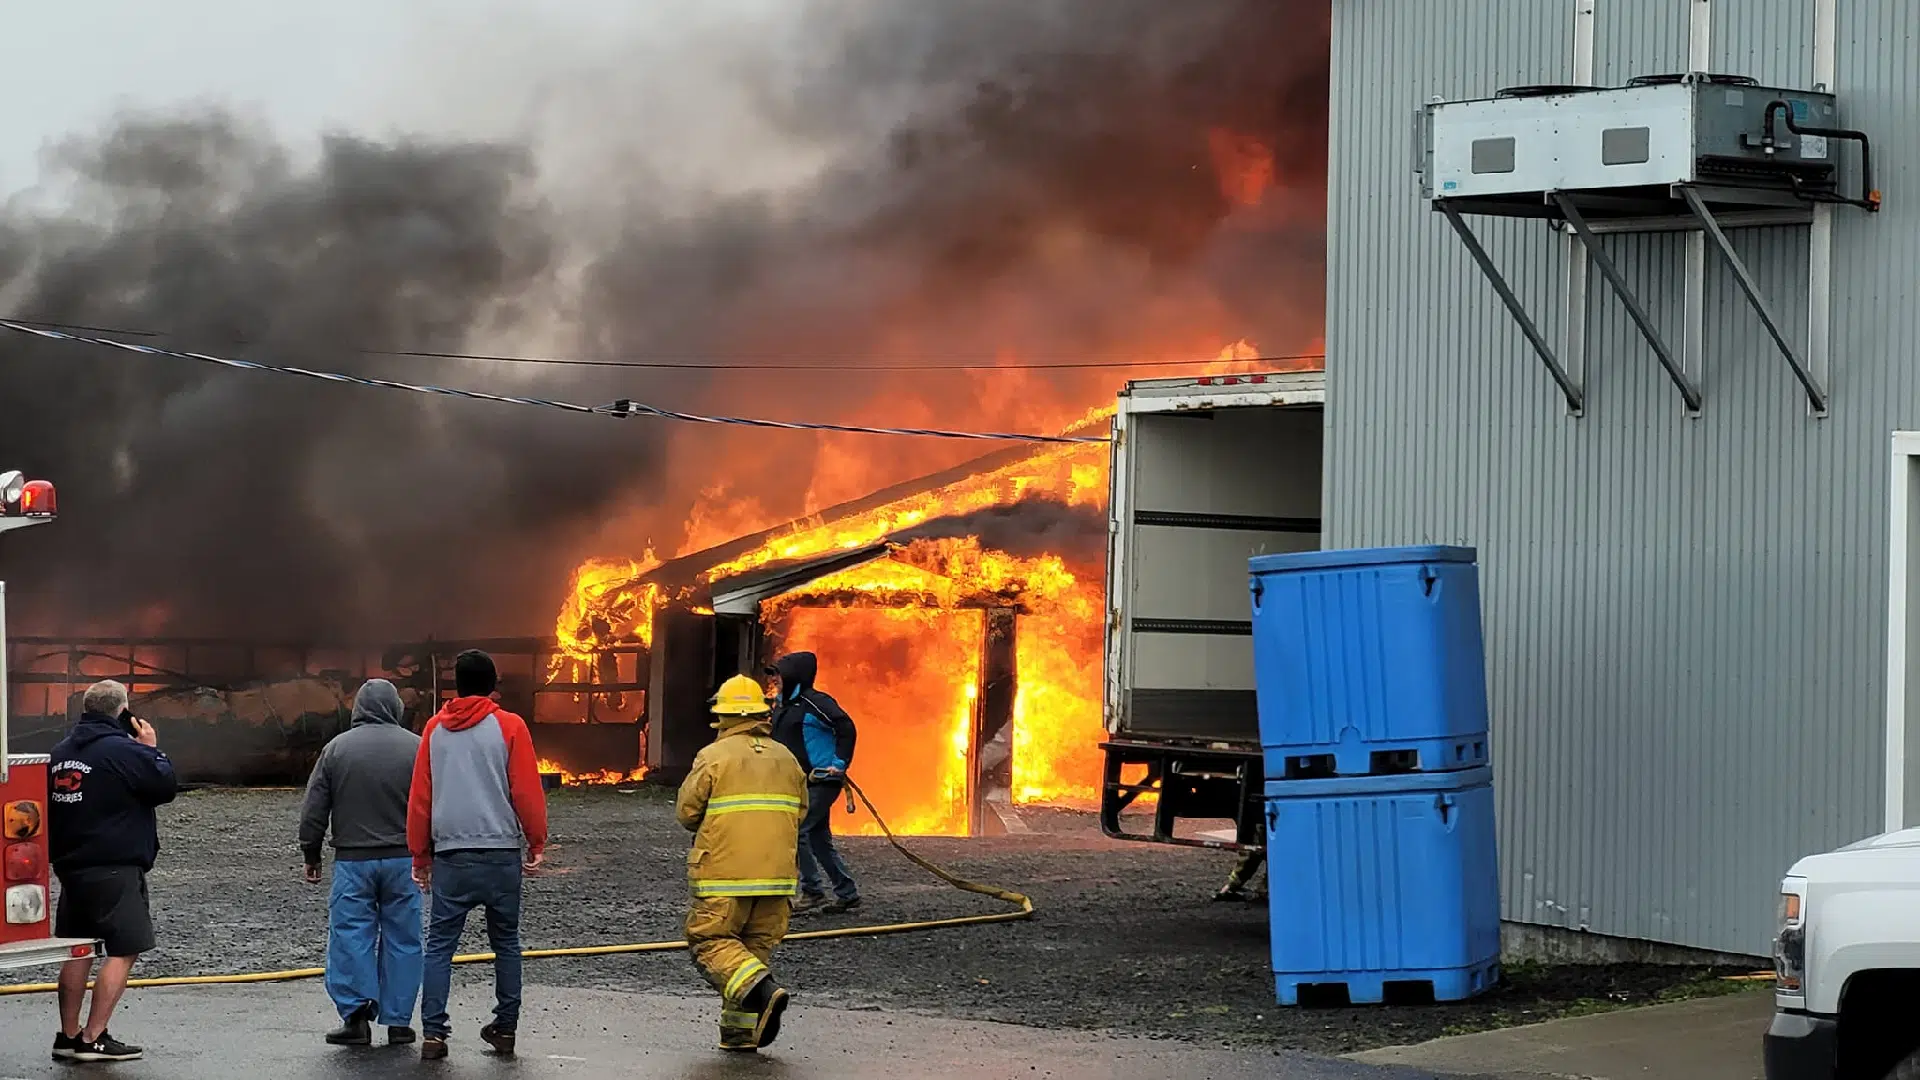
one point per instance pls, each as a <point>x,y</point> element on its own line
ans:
<point>1381,882</point>
<point>1369,661</point>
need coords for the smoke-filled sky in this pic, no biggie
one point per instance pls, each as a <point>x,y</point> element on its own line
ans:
<point>800,184</point>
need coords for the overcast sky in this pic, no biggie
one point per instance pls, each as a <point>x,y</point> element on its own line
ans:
<point>373,66</point>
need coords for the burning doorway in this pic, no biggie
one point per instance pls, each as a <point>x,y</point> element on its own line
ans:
<point>922,642</point>
<point>910,678</point>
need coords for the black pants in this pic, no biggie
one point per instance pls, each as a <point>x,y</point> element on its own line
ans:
<point>108,903</point>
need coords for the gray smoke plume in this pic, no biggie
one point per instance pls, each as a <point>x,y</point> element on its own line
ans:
<point>1034,176</point>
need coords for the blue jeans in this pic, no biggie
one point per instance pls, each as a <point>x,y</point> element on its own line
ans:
<point>462,881</point>
<point>817,852</point>
<point>373,939</point>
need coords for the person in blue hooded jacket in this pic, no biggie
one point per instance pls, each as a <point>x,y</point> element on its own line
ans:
<point>808,722</point>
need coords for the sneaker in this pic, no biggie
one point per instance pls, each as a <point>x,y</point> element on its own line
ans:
<point>104,1048</point>
<point>835,907</point>
<point>501,1041</point>
<point>64,1046</point>
<point>399,1036</point>
<point>808,903</point>
<point>356,1030</point>
<point>433,1048</point>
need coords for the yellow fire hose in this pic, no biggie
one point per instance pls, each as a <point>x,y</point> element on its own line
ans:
<point>1018,900</point>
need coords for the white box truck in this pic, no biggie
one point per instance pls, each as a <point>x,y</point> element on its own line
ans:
<point>1205,473</point>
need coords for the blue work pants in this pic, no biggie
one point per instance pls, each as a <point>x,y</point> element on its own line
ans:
<point>373,939</point>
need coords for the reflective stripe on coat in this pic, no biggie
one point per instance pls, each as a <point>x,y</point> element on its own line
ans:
<point>743,799</point>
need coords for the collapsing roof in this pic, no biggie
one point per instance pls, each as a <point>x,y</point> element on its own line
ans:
<point>743,594</point>
<point>683,575</point>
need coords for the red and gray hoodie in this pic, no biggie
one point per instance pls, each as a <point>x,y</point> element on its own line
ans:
<point>476,784</point>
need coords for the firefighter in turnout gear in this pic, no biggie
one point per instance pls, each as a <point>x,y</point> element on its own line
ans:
<point>743,800</point>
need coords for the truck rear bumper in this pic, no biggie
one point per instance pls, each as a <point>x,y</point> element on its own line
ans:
<point>1801,1046</point>
<point>42,951</point>
<point>1188,781</point>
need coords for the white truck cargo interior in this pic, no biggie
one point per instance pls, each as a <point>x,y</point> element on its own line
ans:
<point>1205,473</point>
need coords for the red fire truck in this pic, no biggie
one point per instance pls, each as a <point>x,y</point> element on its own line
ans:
<point>26,931</point>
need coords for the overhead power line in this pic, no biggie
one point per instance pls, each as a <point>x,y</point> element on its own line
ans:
<point>691,363</point>
<point>621,408</point>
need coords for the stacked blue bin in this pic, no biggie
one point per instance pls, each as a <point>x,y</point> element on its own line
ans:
<point>1382,866</point>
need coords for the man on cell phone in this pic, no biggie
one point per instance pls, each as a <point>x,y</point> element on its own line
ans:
<point>107,776</point>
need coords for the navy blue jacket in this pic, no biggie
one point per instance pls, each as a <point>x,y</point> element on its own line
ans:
<point>102,788</point>
<point>808,722</point>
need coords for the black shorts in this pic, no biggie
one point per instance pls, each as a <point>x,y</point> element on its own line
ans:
<point>109,903</point>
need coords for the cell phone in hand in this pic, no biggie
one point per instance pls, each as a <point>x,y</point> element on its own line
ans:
<point>126,721</point>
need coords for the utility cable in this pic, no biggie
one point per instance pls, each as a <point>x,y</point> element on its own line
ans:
<point>1022,903</point>
<point>622,408</point>
<point>687,363</point>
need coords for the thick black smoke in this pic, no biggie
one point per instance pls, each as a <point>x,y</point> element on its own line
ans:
<point>999,174</point>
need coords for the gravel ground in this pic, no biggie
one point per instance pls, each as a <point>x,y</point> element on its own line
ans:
<point>1125,938</point>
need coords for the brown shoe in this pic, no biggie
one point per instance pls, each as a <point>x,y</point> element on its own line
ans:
<point>501,1041</point>
<point>433,1048</point>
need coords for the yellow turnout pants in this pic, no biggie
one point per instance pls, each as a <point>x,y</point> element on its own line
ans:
<point>730,939</point>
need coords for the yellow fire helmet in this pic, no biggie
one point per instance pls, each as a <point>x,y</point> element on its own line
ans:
<point>739,696</point>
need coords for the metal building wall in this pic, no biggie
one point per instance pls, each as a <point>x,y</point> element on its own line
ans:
<point>1685,617</point>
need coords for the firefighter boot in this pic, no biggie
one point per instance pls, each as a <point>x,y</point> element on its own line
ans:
<point>767,1001</point>
<point>736,1031</point>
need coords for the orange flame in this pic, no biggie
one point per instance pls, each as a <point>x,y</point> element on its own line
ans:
<point>603,776</point>
<point>909,676</point>
<point>900,636</point>
<point>1243,164</point>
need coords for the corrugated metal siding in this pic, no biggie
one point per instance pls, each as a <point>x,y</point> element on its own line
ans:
<point>1684,616</point>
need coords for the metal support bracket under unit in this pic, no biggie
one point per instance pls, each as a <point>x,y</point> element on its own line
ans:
<point>1576,398</point>
<point>1816,396</point>
<point>1570,213</point>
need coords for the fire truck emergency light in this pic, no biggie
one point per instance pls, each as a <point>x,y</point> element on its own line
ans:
<point>21,497</point>
<point>37,499</point>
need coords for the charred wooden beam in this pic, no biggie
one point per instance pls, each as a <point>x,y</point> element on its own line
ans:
<point>992,748</point>
<point>854,598</point>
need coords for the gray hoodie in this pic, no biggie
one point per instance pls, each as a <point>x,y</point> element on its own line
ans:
<point>360,784</point>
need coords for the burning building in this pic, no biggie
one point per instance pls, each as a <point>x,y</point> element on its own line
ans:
<point>959,617</point>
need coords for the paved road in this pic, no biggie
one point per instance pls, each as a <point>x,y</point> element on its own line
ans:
<point>272,1031</point>
<point>1710,1039</point>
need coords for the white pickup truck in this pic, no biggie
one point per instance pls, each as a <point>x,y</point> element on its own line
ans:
<point>1847,964</point>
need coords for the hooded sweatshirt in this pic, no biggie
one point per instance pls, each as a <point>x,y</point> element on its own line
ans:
<point>102,790</point>
<point>807,722</point>
<point>361,781</point>
<point>476,784</point>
